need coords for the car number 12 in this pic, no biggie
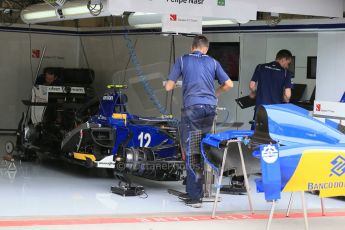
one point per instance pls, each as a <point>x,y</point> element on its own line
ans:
<point>145,139</point>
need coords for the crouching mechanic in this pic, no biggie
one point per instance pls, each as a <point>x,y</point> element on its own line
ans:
<point>198,72</point>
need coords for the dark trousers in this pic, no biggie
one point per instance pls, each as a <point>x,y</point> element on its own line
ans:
<point>193,118</point>
<point>254,120</point>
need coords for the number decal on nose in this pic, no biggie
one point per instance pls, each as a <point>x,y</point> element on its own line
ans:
<point>145,139</point>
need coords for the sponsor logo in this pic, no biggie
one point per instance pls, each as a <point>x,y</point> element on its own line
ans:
<point>108,98</point>
<point>318,107</point>
<point>221,2</point>
<point>55,89</point>
<point>328,185</point>
<point>338,170</point>
<point>102,164</point>
<point>269,154</point>
<point>106,163</point>
<point>77,90</point>
<point>339,166</point>
<point>173,17</point>
<point>36,53</point>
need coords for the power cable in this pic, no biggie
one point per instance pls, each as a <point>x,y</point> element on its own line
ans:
<point>174,59</point>
<point>140,73</point>
<point>95,9</point>
<point>124,81</point>
<point>170,61</point>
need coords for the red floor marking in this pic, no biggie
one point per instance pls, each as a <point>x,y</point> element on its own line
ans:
<point>89,221</point>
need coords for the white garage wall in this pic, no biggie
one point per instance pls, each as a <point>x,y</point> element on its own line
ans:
<point>108,56</point>
<point>254,48</point>
<point>331,68</point>
<point>15,68</point>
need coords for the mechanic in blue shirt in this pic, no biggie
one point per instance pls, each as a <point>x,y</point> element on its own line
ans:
<point>198,72</point>
<point>271,82</point>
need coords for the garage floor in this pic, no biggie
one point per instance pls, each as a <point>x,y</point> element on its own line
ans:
<point>51,189</point>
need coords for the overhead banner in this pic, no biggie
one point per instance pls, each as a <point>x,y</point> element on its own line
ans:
<point>175,23</point>
<point>228,9</point>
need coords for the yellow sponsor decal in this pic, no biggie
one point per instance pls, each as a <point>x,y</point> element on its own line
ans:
<point>322,170</point>
<point>120,116</point>
<point>83,156</point>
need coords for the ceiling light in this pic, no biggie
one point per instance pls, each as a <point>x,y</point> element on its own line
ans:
<point>41,14</point>
<point>71,10</point>
<point>75,10</point>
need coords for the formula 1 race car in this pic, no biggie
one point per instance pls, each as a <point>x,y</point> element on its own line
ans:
<point>296,153</point>
<point>51,112</point>
<point>99,132</point>
<point>303,153</point>
<point>126,143</point>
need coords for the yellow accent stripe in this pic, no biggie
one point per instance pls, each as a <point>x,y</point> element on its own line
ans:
<point>83,156</point>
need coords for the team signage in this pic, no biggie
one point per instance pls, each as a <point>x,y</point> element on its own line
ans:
<point>173,23</point>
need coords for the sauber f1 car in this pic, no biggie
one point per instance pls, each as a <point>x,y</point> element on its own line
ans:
<point>292,150</point>
<point>118,140</point>
<point>99,132</point>
<point>299,152</point>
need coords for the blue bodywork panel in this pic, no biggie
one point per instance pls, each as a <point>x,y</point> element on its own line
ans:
<point>282,135</point>
<point>296,132</point>
<point>219,140</point>
<point>135,131</point>
<point>290,124</point>
<point>216,140</point>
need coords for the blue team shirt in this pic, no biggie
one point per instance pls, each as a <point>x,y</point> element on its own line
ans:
<point>271,81</point>
<point>198,73</point>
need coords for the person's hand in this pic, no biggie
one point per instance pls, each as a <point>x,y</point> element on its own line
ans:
<point>252,95</point>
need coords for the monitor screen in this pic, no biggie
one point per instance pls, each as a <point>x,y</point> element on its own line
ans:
<point>297,92</point>
<point>228,55</point>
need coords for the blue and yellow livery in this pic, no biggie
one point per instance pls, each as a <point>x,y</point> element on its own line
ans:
<point>298,152</point>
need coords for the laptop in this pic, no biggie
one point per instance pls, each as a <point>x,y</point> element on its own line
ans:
<point>245,102</point>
